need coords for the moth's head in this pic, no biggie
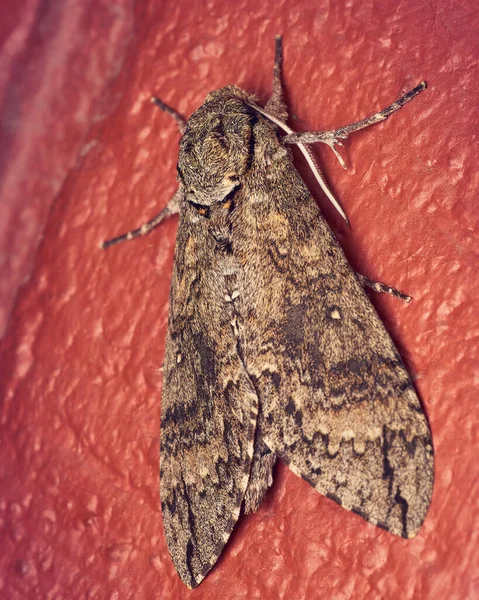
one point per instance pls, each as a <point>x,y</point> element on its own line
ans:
<point>216,149</point>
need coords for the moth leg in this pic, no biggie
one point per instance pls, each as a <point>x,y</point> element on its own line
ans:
<point>261,476</point>
<point>276,105</point>
<point>381,287</point>
<point>180,120</point>
<point>333,137</point>
<point>172,208</point>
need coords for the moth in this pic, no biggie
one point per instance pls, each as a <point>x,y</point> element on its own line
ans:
<point>274,349</point>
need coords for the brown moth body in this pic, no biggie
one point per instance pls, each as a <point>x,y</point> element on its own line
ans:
<point>273,347</point>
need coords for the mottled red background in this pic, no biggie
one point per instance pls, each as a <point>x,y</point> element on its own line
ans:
<point>84,156</point>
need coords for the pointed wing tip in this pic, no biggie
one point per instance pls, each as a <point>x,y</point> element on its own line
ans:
<point>411,535</point>
<point>405,534</point>
<point>192,583</point>
<point>192,580</point>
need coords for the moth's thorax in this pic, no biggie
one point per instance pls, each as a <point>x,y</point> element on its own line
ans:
<point>217,147</point>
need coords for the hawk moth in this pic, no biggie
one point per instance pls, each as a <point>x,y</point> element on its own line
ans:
<point>273,347</point>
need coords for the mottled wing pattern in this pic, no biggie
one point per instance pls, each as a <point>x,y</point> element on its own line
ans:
<point>336,402</point>
<point>209,408</point>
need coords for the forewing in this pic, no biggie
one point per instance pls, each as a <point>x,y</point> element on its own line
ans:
<point>209,408</point>
<point>336,402</point>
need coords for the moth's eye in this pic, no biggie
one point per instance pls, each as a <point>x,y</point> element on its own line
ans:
<point>233,178</point>
<point>187,147</point>
<point>201,209</point>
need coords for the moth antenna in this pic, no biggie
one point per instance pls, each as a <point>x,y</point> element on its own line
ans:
<point>309,157</point>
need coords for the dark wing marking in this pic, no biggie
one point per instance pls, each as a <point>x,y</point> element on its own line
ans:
<point>336,402</point>
<point>209,408</point>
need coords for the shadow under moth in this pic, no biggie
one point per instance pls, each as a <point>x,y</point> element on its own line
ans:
<point>273,347</point>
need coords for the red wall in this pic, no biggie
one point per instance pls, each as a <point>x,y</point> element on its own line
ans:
<point>84,156</point>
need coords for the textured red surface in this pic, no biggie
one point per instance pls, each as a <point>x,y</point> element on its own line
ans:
<point>55,61</point>
<point>80,378</point>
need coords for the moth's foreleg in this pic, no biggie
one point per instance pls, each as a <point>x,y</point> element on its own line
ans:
<point>383,288</point>
<point>180,120</point>
<point>170,209</point>
<point>333,137</point>
<point>276,105</point>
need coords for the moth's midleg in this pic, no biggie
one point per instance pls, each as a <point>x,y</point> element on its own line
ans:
<point>334,136</point>
<point>383,288</point>
<point>171,208</point>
